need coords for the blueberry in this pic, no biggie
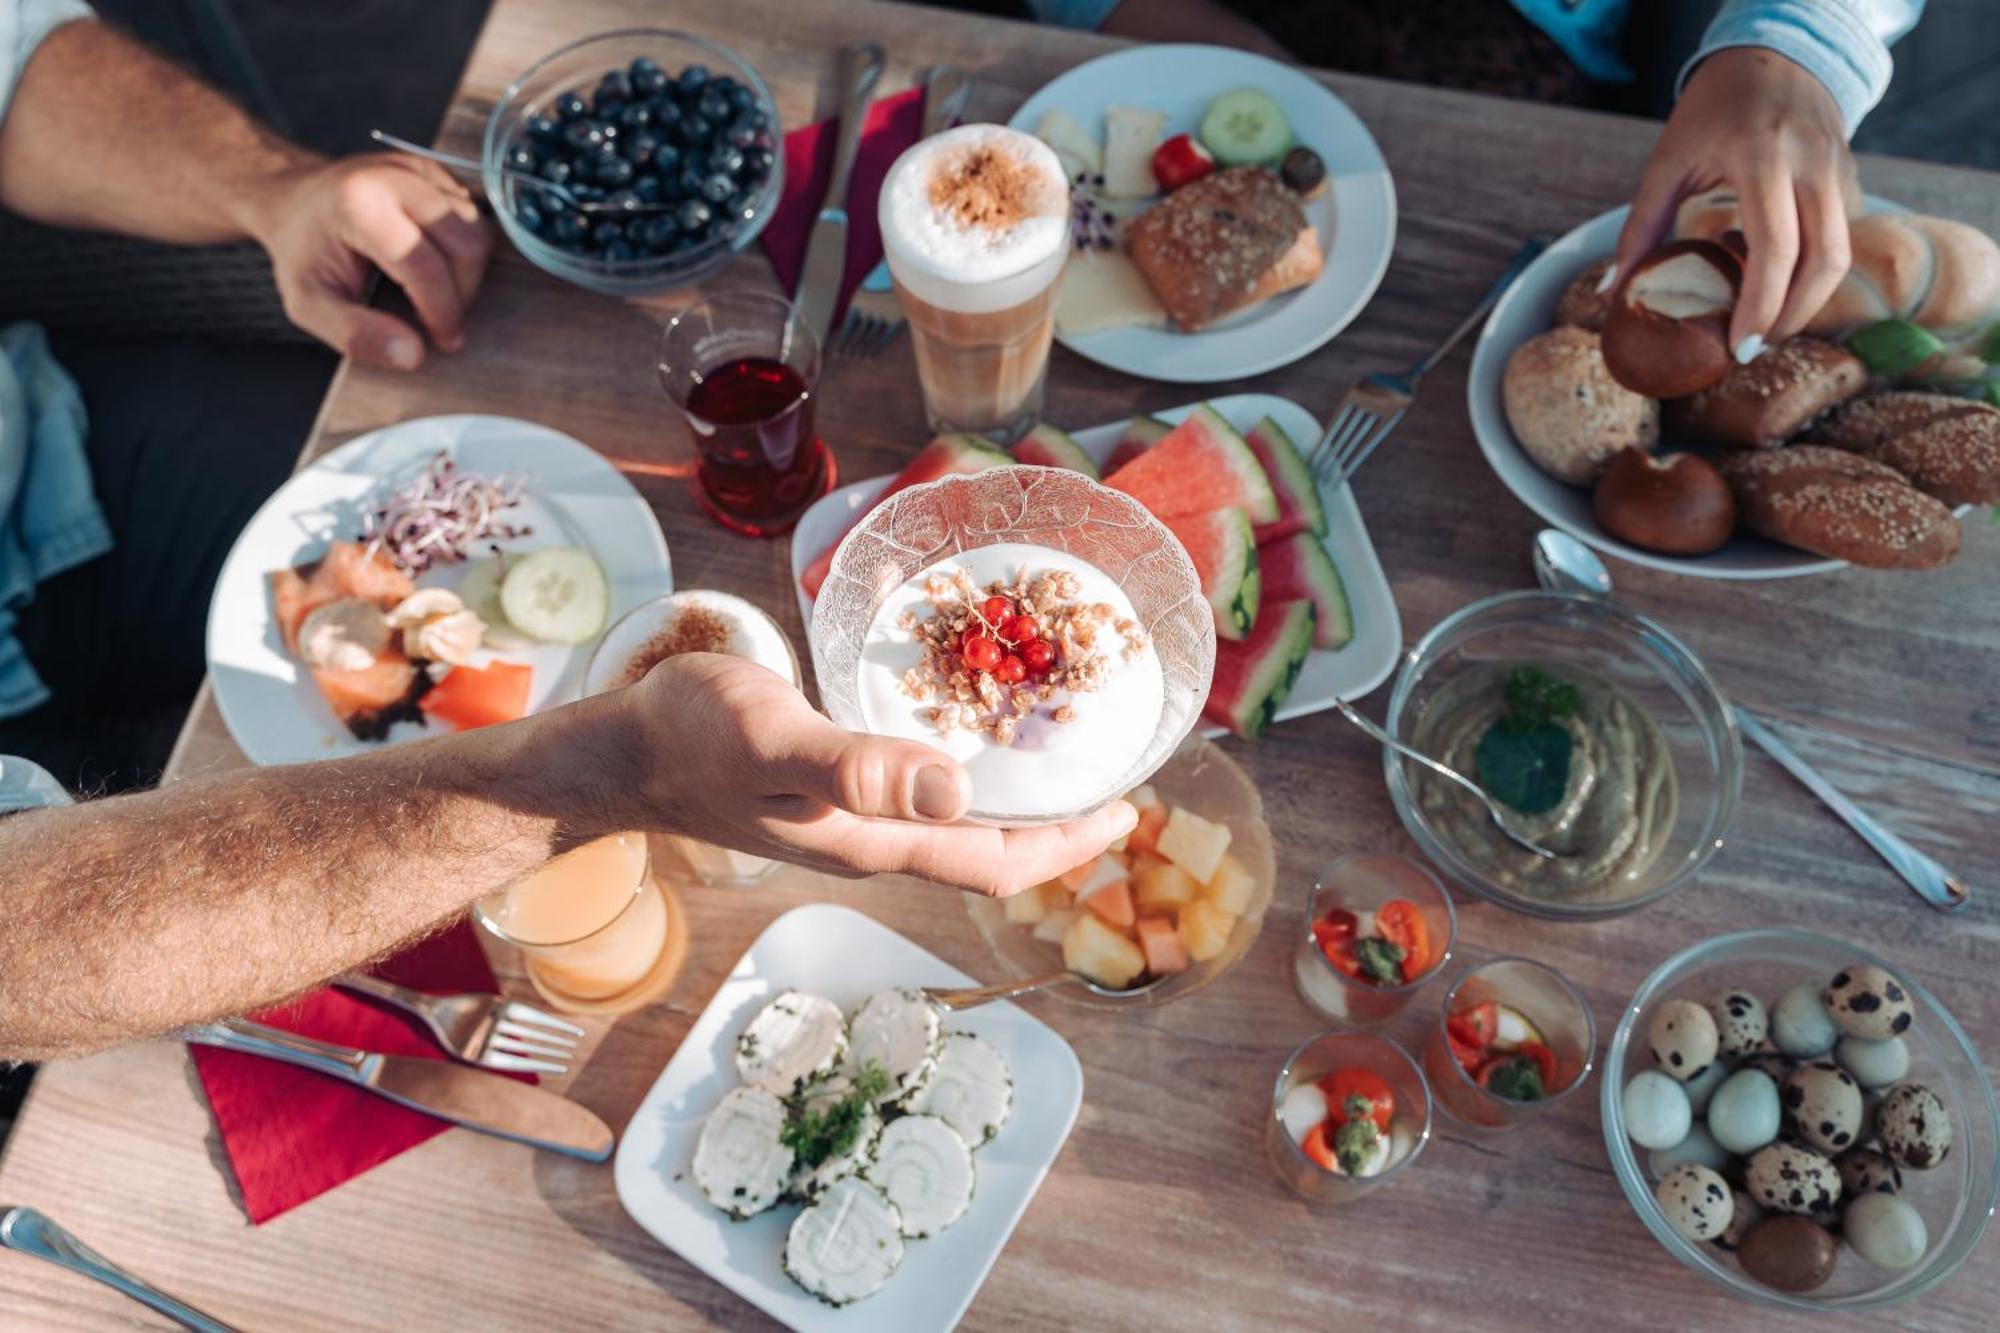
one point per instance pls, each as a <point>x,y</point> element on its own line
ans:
<point>569,106</point>
<point>648,79</point>
<point>557,170</point>
<point>714,104</point>
<point>725,159</point>
<point>584,135</point>
<point>648,189</point>
<point>523,158</point>
<point>757,164</point>
<point>637,116</point>
<point>642,148</point>
<point>666,159</point>
<point>570,227</point>
<point>742,98</point>
<point>542,129</point>
<point>620,251</point>
<point>586,194</point>
<point>740,134</point>
<point>615,171</point>
<point>738,206</point>
<point>615,87</point>
<point>691,81</point>
<point>529,216</point>
<point>692,215</point>
<point>717,186</point>
<point>605,232</point>
<point>687,181</point>
<point>693,131</point>
<point>657,232</point>
<point>622,199</point>
<point>666,111</point>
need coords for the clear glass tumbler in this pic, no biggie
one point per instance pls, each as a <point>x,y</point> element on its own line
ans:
<point>1364,883</point>
<point>1409,1126</point>
<point>1546,999</point>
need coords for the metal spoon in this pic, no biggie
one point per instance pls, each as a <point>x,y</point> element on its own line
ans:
<point>1498,811</point>
<point>1564,564</point>
<point>955,998</point>
<point>29,1232</point>
<point>471,168</point>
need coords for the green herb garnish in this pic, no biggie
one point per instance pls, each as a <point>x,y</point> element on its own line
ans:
<point>816,1136</point>
<point>1534,696</point>
<point>1518,1080</point>
<point>1354,1142</point>
<point>1523,759</point>
<point>1381,962</point>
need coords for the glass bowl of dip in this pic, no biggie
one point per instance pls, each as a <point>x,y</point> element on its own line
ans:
<point>1655,762</point>
<point>1157,641</point>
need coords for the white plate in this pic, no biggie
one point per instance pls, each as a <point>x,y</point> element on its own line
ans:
<point>1347,673</point>
<point>574,498</point>
<point>845,956</point>
<point>1522,313</point>
<point>1358,213</point>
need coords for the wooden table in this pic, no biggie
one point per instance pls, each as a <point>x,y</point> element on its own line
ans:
<point>1160,1212</point>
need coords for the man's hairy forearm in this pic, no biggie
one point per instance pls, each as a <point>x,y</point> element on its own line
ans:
<point>103,133</point>
<point>214,896</point>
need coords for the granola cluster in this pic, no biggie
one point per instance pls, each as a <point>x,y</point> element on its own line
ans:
<point>1046,647</point>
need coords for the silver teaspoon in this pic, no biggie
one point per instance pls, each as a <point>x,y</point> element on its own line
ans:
<point>1498,811</point>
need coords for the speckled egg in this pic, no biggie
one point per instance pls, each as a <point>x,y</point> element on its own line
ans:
<point>1743,1214</point>
<point>1800,1024</point>
<point>1867,1001</point>
<point>1885,1230</point>
<point>1874,1064</point>
<point>1786,1178</point>
<point>1914,1126</point>
<point>1866,1171</point>
<point>1824,1103</point>
<point>1741,1022</point>
<point>1699,1147</point>
<point>1775,1064</point>
<point>1682,1035</point>
<point>1657,1114</point>
<point>1744,1114</point>
<point>1702,1086</point>
<point>1695,1200</point>
<point>1788,1253</point>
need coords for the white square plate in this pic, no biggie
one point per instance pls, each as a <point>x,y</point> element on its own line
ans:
<point>845,956</point>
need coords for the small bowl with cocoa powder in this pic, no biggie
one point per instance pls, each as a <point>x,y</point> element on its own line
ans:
<point>697,620</point>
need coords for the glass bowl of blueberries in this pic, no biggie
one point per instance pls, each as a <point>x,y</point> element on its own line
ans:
<point>634,162</point>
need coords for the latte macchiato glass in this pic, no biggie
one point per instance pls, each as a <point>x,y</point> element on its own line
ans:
<point>975,224</point>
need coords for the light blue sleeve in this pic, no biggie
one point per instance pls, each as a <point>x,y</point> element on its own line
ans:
<point>1089,14</point>
<point>1842,43</point>
<point>26,786</point>
<point>23,24</point>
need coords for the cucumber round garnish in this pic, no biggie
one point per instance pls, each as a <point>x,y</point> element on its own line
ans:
<point>1244,127</point>
<point>557,595</point>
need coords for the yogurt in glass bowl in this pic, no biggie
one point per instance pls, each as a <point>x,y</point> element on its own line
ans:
<point>1048,633</point>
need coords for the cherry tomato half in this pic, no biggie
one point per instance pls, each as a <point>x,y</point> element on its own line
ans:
<point>1544,1058</point>
<point>1371,1087</point>
<point>1318,1146</point>
<point>1403,925</point>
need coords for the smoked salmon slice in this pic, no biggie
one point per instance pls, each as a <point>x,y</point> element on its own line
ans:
<point>368,701</point>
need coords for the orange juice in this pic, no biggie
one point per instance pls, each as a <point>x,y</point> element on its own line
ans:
<point>591,922</point>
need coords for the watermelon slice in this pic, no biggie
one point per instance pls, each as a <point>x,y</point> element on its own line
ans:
<point>1141,433</point>
<point>1225,556</point>
<point>1299,509</point>
<point>1299,567</point>
<point>946,456</point>
<point>1252,678</point>
<point>1045,446</point>
<point>1201,465</point>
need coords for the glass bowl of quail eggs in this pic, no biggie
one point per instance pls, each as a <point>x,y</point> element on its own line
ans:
<point>1801,1122</point>
<point>634,162</point>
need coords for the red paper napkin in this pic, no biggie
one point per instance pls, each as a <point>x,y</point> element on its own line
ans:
<point>893,124</point>
<point>292,1134</point>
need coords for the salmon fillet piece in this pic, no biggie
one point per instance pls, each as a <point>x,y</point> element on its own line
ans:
<point>369,701</point>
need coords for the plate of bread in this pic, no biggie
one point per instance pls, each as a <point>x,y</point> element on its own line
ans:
<point>1229,213</point>
<point>1621,417</point>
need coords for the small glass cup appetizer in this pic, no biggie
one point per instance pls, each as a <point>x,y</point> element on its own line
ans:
<point>1513,1038</point>
<point>1378,927</point>
<point>1350,1110</point>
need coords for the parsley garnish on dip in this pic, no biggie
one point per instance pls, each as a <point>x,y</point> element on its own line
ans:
<point>1524,757</point>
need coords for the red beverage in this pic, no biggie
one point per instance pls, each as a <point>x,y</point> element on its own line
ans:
<point>761,464</point>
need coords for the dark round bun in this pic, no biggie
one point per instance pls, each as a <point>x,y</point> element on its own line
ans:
<point>1581,304</point>
<point>1667,332</point>
<point>1676,504</point>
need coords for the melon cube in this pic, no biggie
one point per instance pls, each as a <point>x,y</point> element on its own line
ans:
<point>1161,943</point>
<point>1165,885</point>
<point>1051,928</point>
<point>1205,929</point>
<point>1231,887</point>
<point>1114,903</point>
<point>1103,873</point>
<point>1145,835</point>
<point>1194,844</point>
<point>1029,905</point>
<point>1143,797</point>
<point>1076,877</point>
<point>1100,953</point>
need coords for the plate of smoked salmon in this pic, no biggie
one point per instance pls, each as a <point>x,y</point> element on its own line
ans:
<point>435,575</point>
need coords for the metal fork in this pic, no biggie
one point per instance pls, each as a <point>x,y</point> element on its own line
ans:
<point>480,1029</point>
<point>1372,407</point>
<point>874,317</point>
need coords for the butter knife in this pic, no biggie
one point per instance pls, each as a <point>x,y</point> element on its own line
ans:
<point>826,247</point>
<point>465,1096</point>
<point>26,1231</point>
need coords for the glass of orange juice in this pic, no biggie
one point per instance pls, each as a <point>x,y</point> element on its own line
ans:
<point>594,927</point>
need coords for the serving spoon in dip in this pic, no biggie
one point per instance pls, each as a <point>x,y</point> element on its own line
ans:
<point>1499,812</point>
<point>955,998</point>
<point>1564,564</point>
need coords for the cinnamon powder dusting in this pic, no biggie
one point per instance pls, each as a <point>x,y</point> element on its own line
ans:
<point>695,630</point>
<point>984,188</point>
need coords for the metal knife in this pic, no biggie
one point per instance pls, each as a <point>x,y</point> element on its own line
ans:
<point>826,248</point>
<point>947,89</point>
<point>465,1096</point>
<point>28,1232</point>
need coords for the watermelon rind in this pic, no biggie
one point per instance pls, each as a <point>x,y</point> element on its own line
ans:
<point>1299,504</point>
<point>1047,446</point>
<point>944,456</point>
<point>1224,551</point>
<point>1201,465</point>
<point>1299,567</point>
<point>1253,678</point>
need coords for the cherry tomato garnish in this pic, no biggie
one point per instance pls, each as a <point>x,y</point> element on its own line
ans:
<point>1342,1085</point>
<point>1544,1058</point>
<point>1318,1146</point>
<point>982,653</point>
<point>1011,671</point>
<point>1020,629</point>
<point>997,610</point>
<point>1039,655</point>
<point>1337,924</point>
<point>1401,923</point>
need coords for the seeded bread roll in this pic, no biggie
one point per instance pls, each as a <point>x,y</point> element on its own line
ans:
<point>1765,403</point>
<point>1581,303</point>
<point>1567,411</point>
<point>1948,447</point>
<point>1841,505</point>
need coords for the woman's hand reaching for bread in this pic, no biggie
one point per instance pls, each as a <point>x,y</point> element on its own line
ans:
<point>1753,121</point>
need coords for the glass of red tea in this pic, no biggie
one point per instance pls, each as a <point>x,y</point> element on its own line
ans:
<point>743,368</point>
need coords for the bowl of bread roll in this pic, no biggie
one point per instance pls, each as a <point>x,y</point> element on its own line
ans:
<point>1621,417</point>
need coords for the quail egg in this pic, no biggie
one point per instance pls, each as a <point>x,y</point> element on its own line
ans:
<point>1699,1146</point>
<point>1741,1022</point>
<point>1696,1201</point>
<point>1657,1114</point>
<point>1775,1064</point>
<point>1914,1126</point>
<point>1885,1230</point>
<point>1788,1253</point>
<point>1744,1114</point>
<point>1824,1103</point>
<point>1874,1064</point>
<point>1682,1035</point>
<point>1800,1024</point>
<point>1866,1171</point>
<point>1703,1085</point>
<point>1743,1214</point>
<point>1786,1178</point>
<point>1867,1001</point>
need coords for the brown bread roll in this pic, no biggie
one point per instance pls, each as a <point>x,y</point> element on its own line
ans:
<point>1841,505</point>
<point>1765,403</point>
<point>1567,411</point>
<point>1948,447</point>
<point>1581,304</point>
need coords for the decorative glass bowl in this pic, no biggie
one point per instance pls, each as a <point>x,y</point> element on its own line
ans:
<point>1956,1197</point>
<point>1035,506</point>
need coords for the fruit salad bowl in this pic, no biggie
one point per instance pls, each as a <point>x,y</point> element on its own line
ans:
<point>1198,777</point>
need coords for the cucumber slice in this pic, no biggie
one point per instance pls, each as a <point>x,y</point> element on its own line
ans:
<point>558,595</point>
<point>1244,127</point>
